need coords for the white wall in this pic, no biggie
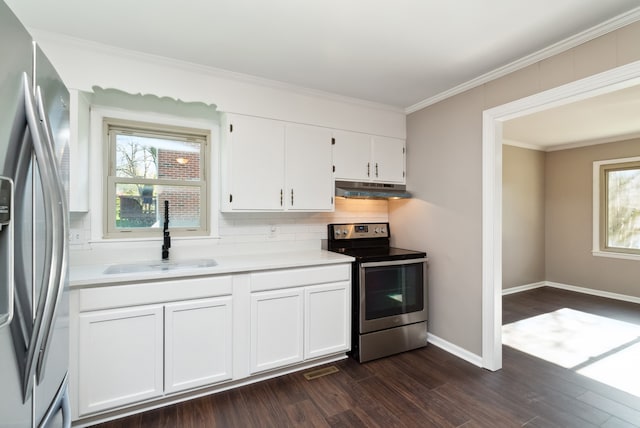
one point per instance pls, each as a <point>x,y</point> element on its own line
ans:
<point>83,65</point>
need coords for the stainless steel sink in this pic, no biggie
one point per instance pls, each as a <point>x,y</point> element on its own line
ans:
<point>155,266</point>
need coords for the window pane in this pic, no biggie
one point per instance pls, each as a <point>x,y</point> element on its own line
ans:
<point>623,208</point>
<point>157,158</point>
<point>142,206</point>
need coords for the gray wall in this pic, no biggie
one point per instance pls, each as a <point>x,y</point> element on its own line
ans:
<point>444,169</point>
<point>523,216</point>
<point>569,222</point>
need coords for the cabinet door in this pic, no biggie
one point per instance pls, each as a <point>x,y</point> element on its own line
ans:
<point>327,319</point>
<point>256,169</point>
<point>352,156</point>
<point>120,357</point>
<point>276,329</point>
<point>198,347</point>
<point>309,173</point>
<point>79,131</point>
<point>388,160</point>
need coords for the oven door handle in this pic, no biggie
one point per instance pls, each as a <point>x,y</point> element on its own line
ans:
<point>394,262</point>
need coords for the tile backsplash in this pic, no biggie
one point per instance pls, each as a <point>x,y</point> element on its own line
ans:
<point>289,226</point>
<point>285,228</point>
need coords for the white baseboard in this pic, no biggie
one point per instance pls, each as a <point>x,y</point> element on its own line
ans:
<point>525,287</point>
<point>594,292</point>
<point>459,352</point>
<point>574,288</point>
<point>476,360</point>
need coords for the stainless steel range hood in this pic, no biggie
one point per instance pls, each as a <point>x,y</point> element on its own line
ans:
<point>361,190</point>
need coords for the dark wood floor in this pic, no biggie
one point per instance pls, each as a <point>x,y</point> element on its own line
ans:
<point>426,388</point>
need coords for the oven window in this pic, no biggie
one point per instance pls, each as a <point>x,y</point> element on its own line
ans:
<point>393,290</point>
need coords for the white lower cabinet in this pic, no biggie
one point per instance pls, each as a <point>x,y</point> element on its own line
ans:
<point>125,354</point>
<point>303,321</point>
<point>276,329</point>
<point>136,345</point>
<point>198,346</point>
<point>327,319</point>
<point>120,357</point>
<point>137,342</point>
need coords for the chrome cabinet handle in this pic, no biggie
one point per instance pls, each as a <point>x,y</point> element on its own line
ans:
<point>291,197</point>
<point>368,169</point>
<point>376,169</point>
<point>281,197</point>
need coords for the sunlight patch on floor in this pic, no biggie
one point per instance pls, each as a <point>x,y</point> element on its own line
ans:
<point>619,370</point>
<point>601,348</point>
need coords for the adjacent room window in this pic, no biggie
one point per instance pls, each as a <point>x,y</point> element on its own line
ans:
<point>149,164</point>
<point>619,206</point>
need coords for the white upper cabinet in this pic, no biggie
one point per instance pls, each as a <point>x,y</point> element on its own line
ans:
<point>252,164</point>
<point>387,160</point>
<point>79,130</point>
<point>270,165</point>
<point>309,176</point>
<point>352,156</point>
<point>363,157</point>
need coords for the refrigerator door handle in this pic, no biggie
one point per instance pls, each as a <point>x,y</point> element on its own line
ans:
<point>60,233</point>
<point>59,404</point>
<point>6,248</point>
<point>54,215</point>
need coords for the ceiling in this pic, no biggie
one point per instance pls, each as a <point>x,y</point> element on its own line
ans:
<point>397,53</point>
<point>603,118</point>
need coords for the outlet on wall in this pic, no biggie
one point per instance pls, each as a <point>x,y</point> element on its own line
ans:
<point>75,236</point>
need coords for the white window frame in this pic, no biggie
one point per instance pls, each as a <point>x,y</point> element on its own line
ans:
<point>98,172</point>
<point>598,249</point>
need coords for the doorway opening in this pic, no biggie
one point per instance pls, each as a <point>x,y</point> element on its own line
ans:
<point>493,119</point>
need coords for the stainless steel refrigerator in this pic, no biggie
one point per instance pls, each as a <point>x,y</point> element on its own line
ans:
<point>34,315</point>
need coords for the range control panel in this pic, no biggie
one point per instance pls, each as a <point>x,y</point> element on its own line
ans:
<point>358,230</point>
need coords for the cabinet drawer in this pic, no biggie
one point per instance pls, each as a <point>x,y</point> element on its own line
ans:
<point>106,297</point>
<point>285,278</point>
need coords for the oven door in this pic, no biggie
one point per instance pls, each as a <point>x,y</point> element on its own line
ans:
<point>392,293</point>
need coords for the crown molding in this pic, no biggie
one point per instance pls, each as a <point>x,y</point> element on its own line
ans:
<point>593,142</point>
<point>523,145</point>
<point>573,145</point>
<point>601,29</point>
<point>44,36</point>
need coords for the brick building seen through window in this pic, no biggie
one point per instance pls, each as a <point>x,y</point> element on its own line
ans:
<point>148,167</point>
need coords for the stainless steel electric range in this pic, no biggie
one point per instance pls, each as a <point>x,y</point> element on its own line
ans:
<point>389,290</point>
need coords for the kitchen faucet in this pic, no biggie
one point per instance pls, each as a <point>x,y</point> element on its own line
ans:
<point>167,237</point>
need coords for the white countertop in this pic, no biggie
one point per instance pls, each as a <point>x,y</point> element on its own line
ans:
<point>93,275</point>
